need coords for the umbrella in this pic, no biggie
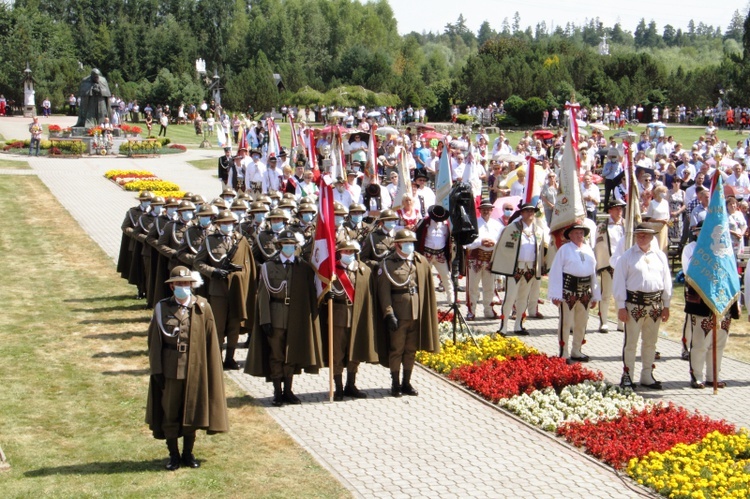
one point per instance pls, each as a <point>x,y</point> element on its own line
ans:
<point>735,190</point>
<point>332,129</point>
<point>432,135</point>
<point>581,123</point>
<point>337,114</point>
<point>511,158</point>
<point>363,136</point>
<point>513,201</point>
<point>373,114</point>
<point>461,145</point>
<point>599,126</point>
<point>725,162</point>
<point>581,131</point>
<point>596,179</point>
<point>625,134</point>
<point>421,125</point>
<point>543,134</point>
<point>656,124</point>
<point>386,130</point>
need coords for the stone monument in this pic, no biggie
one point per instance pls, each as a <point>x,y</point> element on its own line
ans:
<point>94,93</point>
<point>29,94</point>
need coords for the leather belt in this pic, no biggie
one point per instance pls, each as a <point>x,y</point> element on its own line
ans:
<point>285,301</point>
<point>576,284</point>
<point>182,347</point>
<point>481,255</point>
<point>412,290</point>
<point>642,298</point>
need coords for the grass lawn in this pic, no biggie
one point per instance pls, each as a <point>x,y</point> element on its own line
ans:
<point>74,381</point>
<point>10,164</point>
<point>204,164</point>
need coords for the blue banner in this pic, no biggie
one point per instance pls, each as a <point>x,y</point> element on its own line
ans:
<point>443,183</point>
<point>713,267</point>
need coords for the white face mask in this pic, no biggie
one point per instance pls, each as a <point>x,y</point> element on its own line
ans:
<point>287,250</point>
<point>226,229</point>
<point>347,259</point>
<point>187,215</point>
<point>407,248</point>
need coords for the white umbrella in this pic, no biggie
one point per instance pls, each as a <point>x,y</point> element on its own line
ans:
<point>511,158</point>
<point>386,130</point>
<point>599,126</point>
<point>337,114</point>
<point>373,114</point>
<point>624,134</point>
<point>657,124</point>
<point>581,123</point>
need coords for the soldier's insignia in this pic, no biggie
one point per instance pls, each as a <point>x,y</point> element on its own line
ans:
<point>380,271</point>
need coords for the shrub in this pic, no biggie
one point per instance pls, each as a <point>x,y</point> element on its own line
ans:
<point>463,119</point>
<point>506,120</point>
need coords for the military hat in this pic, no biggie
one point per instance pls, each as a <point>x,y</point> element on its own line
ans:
<point>644,228</point>
<point>197,199</point>
<point>615,203</point>
<point>145,196</point>
<point>225,216</point>
<point>258,207</point>
<point>237,205</point>
<point>286,237</point>
<point>287,203</point>
<point>229,192</point>
<point>289,195</point>
<point>181,274</point>
<point>576,225</point>
<point>306,200</point>
<point>188,196</point>
<point>350,244</point>
<point>339,209</point>
<point>404,236</point>
<point>274,195</point>
<point>172,202</point>
<point>185,206</point>
<point>357,208</point>
<point>158,201</point>
<point>438,213</point>
<point>245,196</point>
<point>486,204</point>
<point>265,199</point>
<point>219,203</point>
<point>388,215</point>
<point>227,148</point>
<point>276,213</point>
<point>307,208</point>
<point>206,210</point>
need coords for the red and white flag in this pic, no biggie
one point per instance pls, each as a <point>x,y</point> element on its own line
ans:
<point>312,155</point>
<point>293,145</point>
<point>323,256</point>
<point>371,168</point>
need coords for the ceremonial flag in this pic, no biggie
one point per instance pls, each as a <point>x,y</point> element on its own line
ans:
<point>569,206</point>
<point>273,148</point>
<point>443,183</point>
<point>224,139</point>
<point>312,156</point>
<point>404,179</point>
<point>337,156</point>
<point>371,168</point>
<point>293,144</point>
<point>633,208</point>
<point>242,144</point>
<point>533,182</point>
<point>713,268</point>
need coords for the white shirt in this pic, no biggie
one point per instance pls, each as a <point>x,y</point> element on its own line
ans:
<point>255,172</point>
<point>741,181</point>
<point>436,235</point>
<point>638,271</point>
<point>486,229</point>
<point>579,262</point>
<point>271,180</point>
<point>472,174</point>
<point>344,197</point>
<point>658,210</point>
<point>517,189</point>
<point>616,232</point>
<point>527,250</point>
<point>687,255</point>
<point>592,191</point>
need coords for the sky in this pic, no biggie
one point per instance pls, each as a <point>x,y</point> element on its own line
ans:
<point>433,15</point>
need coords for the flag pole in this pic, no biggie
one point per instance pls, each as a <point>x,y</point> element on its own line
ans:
<point>330,342</point>
<point>713,354</point>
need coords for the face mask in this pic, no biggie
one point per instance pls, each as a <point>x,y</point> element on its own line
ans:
<point>198,207</point>
<point>389,225</point>
<point>287,212</point>
<point>156,210</point>
<point>239,214</point>
<point>204,221</point>
<point>287,250</point>
<point>145,205</point>
<point>187,216</point>
<point>226,229</point>
<point>256,158</point>
<point>407,248</point>
<point>356,168</point>
<point>182,292</point>
<point>339,220</point>
<point>277,226</point>
<point>346,260</point>
<point>307,217</point>
<point>274,203</point>
<point>228,200</point>
<point>508,212</point>
<point>171,212</point>
<point>356,218</point>
<point>260,217</point>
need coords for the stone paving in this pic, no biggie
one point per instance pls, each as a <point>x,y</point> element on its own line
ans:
<point>444,443</point>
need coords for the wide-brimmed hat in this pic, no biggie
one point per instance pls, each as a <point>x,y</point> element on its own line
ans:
<point>206,211</point>
<point>351,245</point>
<point>357,208</point>
<point>186,206</point>
<point>644,228</point>
<point>528,206</point>
<point>225,216</point>
<point>438,213</point>
<point>486,204</point>
<point>145,196</point>
<point>157,201</point>
<point>372,190</point>
<point>339,209</point>
<point>180,274</point>
<point>258,207</point>
<point>616,203</point>
<point>228,192</point>
<point>585,229</point>
<point>388,215</point>
<point>405,236</point>
<point>276,213</point>
<point>286,237</point>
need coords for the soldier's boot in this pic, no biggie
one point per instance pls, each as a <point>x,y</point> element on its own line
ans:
<point>406,387</point>
<point>188,459</point>
<point>278,395</point>
<point>338,394</point>
<point>174,455</point>
<point>229,362</point>
<point>289,397</point>
<point>395,387</point>
<point>351,389</point>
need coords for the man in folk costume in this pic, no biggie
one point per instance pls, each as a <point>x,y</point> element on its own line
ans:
<point>609,235</point>
<point>519,254</point>
<point>642,287</point>
<point>573,288</point>
<point>225,164</point>
<point>237,174</point>
<point>285,340</point>
<point>406,299</point>
<point>127,243</point>
<point>186,388</point>
<point>479,261</point>
<point>353,321</point>
<point>226,261</point>
<point>434,242</point>
<point>376,199</point>
<point>379,243</point>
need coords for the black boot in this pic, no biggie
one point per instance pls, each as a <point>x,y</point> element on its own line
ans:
<point>278,396</point>
<point>395,387</point>
<point>229,363</point>
<point>188,459</point>
<point>174,455</point>
<point>289,397</point>
<point>351,389</point>
<point>338,394</point>
<point>406,387</point>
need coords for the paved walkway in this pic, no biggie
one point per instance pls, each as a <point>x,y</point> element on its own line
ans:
<point>444,443</point>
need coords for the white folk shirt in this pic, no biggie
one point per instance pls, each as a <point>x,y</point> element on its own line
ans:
<point>437,235</point>
<point>645,272</point>
<point>687,255</point>
<point>486,229</point>
<point>527,250</point>
<point>616,232</point>
<point>255,172</point>
<point>579,262</point>
<point>271,180</point>
<point>593,191</point>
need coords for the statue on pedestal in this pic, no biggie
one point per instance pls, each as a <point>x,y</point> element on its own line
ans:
<point>94,93</point>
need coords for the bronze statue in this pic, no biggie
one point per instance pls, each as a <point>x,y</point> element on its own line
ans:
<point>94,93</point>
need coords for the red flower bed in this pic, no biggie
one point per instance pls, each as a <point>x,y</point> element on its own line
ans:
<point>637,433</point>
<point>54,128</point>
<point>125,128</point>
<point>495,380</point>
<point>178,146</point>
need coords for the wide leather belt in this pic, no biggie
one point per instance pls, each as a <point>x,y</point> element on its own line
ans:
<point>412,290</point>
<point>182,347</point>
<point>641,298</point>
<point>285,301</point>
<point>481,255</point>
<point>576,284</point>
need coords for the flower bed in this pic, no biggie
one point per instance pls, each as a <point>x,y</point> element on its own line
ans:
<point>129,174</point>
<point>54,128</point>
<point>151,185</point>
<point>634,434</point>
<point>590,400</point>
<point>717,466</point>
<point>179,147</point>
<point>466,353</point>
<point>496,380</point>
<point>143,180</point>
